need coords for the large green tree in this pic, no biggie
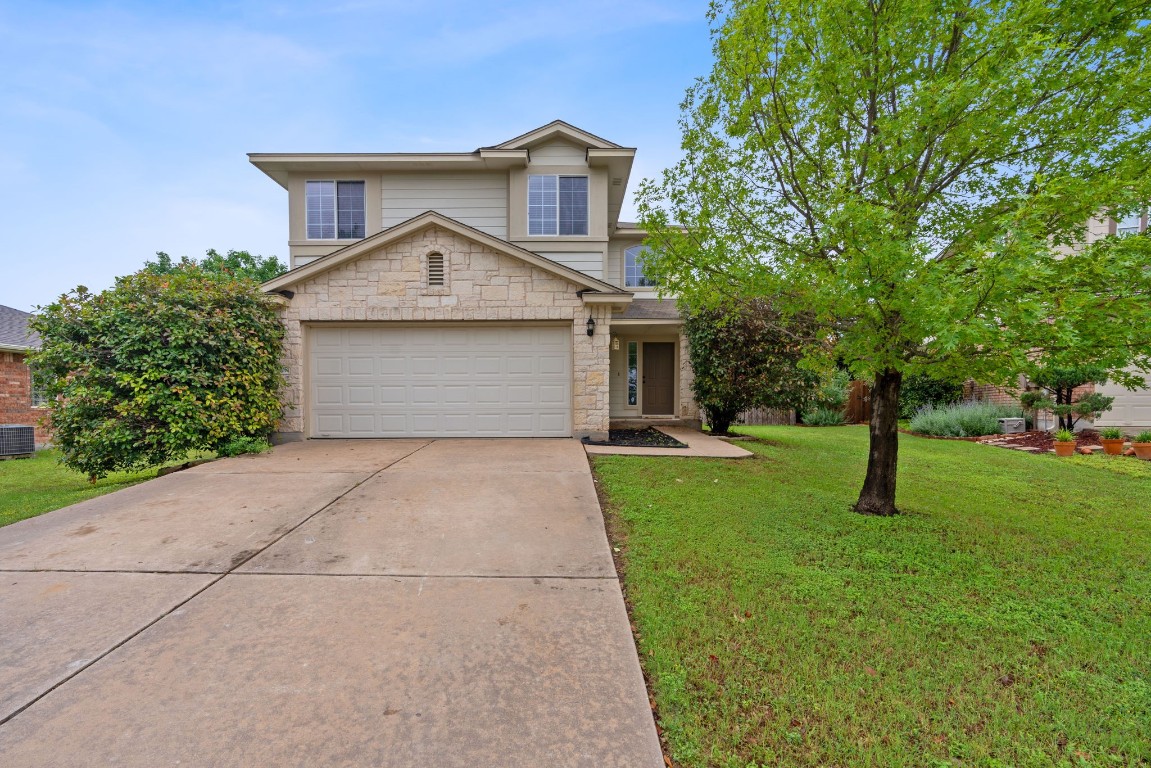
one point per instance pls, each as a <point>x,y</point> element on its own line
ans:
<point>231,264</point>
<point>918,175</point>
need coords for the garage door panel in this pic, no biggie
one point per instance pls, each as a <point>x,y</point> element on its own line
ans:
<point>392,365</point>
<point>361,366</point>
<point>488,394</point>
<point>375,381</point>
<point>488,365</point>
<point>1131,409</point>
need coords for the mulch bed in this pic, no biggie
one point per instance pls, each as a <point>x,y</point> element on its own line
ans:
<point>1041,440</point>
<point>648,437</point>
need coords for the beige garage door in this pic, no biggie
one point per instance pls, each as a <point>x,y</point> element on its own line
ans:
<point>440,381</point>
<point>1132,410</point>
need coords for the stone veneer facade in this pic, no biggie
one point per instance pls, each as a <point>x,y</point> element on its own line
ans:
<point>389,284</point>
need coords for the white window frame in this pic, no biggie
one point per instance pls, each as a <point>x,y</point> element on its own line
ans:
<point>558,209</point>
<point>645,281</point>
<point>1139,218</point>
<point>336,208</point>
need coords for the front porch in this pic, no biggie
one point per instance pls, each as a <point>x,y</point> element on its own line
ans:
<point>649,369</point>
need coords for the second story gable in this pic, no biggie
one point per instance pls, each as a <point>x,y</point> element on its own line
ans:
<point>557,191</point>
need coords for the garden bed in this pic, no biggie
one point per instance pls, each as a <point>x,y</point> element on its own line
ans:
<point>1041,441</point>
<point>648,437</point>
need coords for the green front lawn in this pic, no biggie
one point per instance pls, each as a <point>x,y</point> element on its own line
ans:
<point>30,487</point>
<point>1003,620</point>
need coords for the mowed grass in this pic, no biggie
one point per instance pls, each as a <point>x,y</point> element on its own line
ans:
<point>30,487</point>
<point>1003,620</point>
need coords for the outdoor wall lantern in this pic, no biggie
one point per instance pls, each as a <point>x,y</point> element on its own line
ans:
<point>615,343</point>
<point>591,326</point>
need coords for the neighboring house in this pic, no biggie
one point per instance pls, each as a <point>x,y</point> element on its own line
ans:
<point>1131,410</point>
<point>485,293</point>
<point>20,403</point>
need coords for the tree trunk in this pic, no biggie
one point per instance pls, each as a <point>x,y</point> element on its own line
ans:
<point>878,494</point>
<point>720,421</point>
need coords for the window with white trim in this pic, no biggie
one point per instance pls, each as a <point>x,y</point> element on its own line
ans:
<point>1131,225</point>
<point>36,391</point>
<point>334,210</point>
<point>557,205</point>
<point>634,276</point>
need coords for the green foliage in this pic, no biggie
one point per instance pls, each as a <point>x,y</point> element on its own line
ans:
<point>970,419</point>
<point>745,357</point>
<point>233,264</point>
<point>1111,433</point>
<point>822,416</point>
<point>1058,385</point>
<point>829,400</point>
<point>1001,622</point>
<point>239,446</point>
<point>919,390</point>
<point>158,366</point>
<point>1142,437</point>
<point>1064,436</point>
<point>31,487</point>
<point>901,172</point>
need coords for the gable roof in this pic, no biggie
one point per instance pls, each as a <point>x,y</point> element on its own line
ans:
<point>556,129</point>
<point>421,222</point>
<point>14,331</point>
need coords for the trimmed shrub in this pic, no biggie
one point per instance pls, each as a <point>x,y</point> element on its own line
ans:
<point>821,416</point>
<point>970,419</point>
<point>159,366</point>
<point>747,356</point>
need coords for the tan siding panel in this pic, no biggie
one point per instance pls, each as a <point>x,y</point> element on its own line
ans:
<point>588,263</point>
<point>559,153</point>
<point>479,200</point>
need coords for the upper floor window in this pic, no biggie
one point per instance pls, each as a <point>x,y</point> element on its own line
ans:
<point>557,205</point>
<point>1130,225</point>
<point>634,276</point>
<point>335,210</point>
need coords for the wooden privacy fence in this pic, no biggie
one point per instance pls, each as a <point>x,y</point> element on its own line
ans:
<point>759,417</point>
<point>858,410</point>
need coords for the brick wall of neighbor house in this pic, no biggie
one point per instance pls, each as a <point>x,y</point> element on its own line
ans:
<point>989,393</point>
<point>16,395</point>
<point>388,285</point>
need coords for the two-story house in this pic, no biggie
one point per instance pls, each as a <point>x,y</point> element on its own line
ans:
<point>486,293</point>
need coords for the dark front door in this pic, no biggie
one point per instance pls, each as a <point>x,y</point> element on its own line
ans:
<point>658,378</point>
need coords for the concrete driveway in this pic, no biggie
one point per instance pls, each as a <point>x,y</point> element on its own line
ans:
<point>335,603</point>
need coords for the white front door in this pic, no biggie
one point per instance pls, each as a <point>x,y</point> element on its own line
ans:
<point>376,380</point>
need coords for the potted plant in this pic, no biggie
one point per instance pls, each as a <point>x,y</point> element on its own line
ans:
<point>1065,442</point>
<point>1142,445</point>
<point>1112,440</point>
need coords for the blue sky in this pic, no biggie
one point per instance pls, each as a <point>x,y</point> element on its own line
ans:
<point>124,125</point>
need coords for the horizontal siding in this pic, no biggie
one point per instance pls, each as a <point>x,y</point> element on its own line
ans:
<point>559,153</point>
<point>479,200</point>
<point>588,263</point>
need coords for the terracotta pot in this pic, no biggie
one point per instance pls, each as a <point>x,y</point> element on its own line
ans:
<point>1112,447</point>
<point>1142,450</point>
<point>1068,449</point>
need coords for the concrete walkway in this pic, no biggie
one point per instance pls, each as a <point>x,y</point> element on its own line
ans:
<point>699,445</point>
<point>352,603</point>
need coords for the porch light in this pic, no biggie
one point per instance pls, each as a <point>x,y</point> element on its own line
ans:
<point>591,326</point>
<point>615,343</point>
